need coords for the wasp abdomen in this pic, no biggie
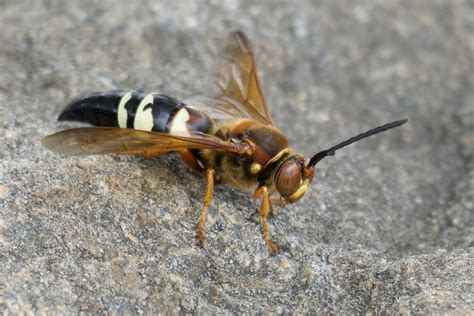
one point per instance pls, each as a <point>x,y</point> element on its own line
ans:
<point>98,109</point>
<point>137,110</point>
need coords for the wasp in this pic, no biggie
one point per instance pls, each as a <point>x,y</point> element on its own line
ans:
<point>228,137</point>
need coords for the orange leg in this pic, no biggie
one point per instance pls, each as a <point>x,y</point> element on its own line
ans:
<point>272,200</point>
<point>270,204</point>
<point>210,173</point>
<point>263,192</point>
<point>275,201</point>
<point>190,160</point>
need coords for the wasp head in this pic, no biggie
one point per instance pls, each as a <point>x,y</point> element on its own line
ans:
<point>294,177</point>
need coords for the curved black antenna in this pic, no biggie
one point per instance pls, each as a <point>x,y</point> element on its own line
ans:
<point>331,151</point>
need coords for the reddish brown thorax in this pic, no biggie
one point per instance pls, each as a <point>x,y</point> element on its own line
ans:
<point>266,141</point>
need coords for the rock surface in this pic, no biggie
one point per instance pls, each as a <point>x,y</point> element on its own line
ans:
<point>387,227</point>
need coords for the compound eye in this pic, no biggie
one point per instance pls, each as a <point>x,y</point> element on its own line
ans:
<point>289,178</point>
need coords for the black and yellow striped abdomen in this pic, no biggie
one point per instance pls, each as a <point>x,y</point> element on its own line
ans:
<point>137,110</point>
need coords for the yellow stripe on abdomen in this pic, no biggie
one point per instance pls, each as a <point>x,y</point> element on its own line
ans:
<point>178,124</point>
<point>122,114</point>
<point>144,117</point>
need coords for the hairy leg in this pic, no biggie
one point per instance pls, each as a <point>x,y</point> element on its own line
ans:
<point>210,173</point>
<point>263,193</point>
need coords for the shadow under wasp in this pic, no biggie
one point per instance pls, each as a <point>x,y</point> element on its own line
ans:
<point>228,137</point>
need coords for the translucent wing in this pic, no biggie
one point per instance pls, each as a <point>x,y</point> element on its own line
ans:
<point>240,94</point>
<point>109,140</point>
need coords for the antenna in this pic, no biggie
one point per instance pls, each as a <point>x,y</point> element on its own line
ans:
<point>331,151</point>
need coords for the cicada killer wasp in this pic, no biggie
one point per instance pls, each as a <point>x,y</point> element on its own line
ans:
<point>228,137</point>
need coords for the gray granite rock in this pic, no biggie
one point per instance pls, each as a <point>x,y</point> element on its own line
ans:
<point>386,228</point>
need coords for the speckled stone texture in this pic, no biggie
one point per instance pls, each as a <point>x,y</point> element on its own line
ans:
<point>386,228</point>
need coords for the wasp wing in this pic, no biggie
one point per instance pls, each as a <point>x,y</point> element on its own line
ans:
<point>109,140</point>
<point>239,92</point>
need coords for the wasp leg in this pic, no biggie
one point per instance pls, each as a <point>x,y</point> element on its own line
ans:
<point>278,201</point>
<point>190,160</point>
<point>270,204</point>
<point>275,201</point>
<point>263,192</point>
<point>210,173</point>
